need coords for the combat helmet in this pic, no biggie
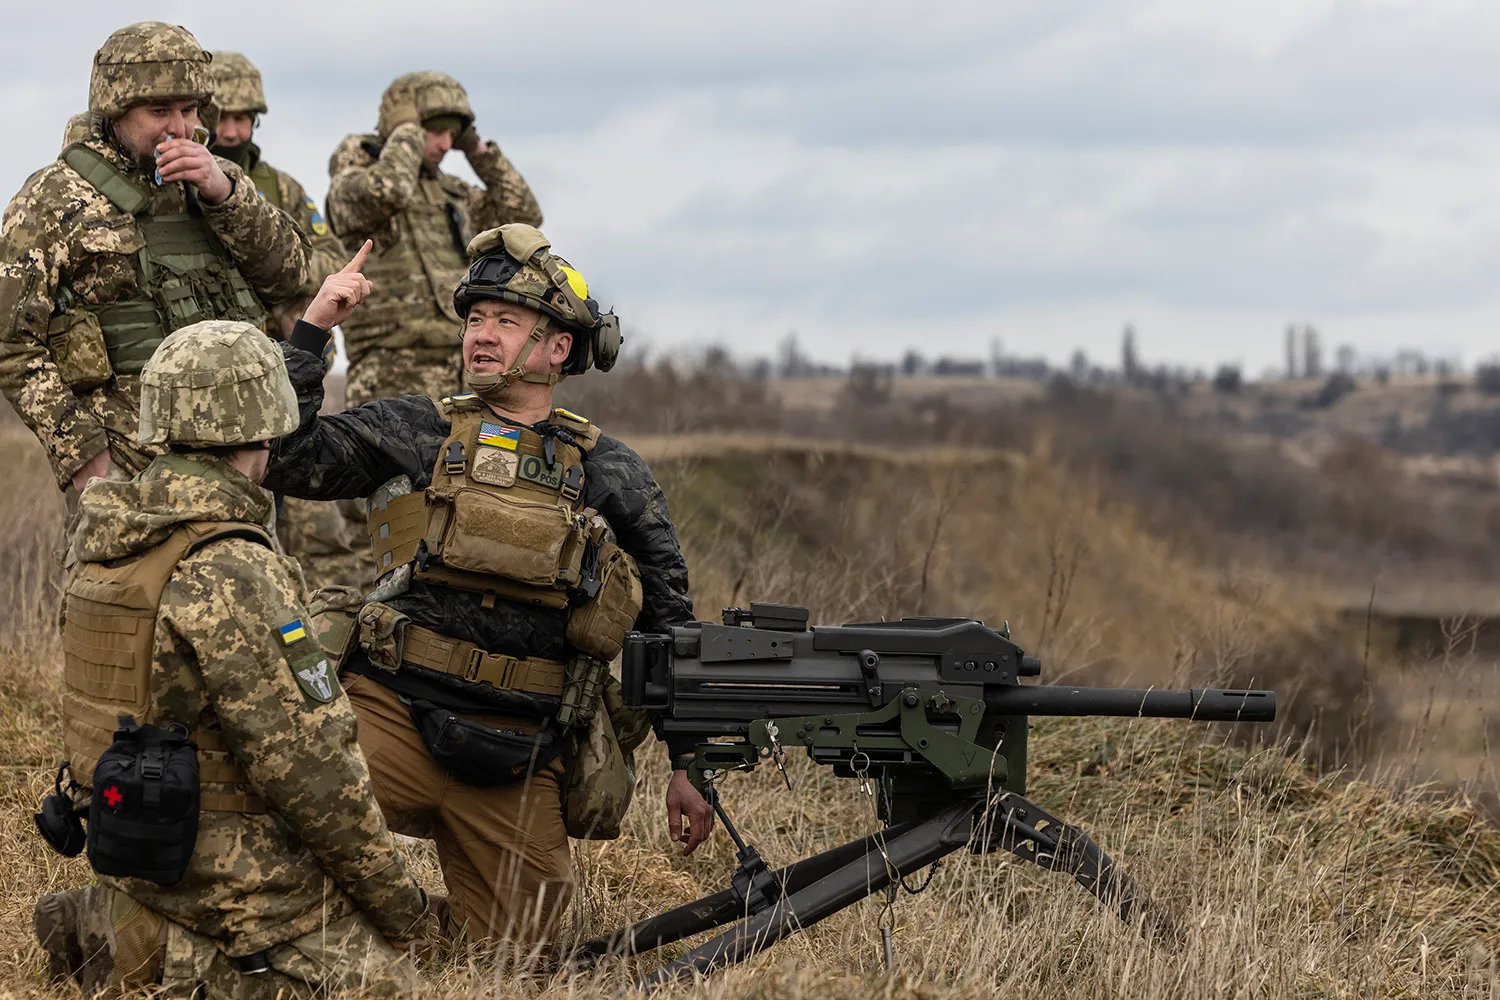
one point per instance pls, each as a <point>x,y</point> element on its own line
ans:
<point>237,85</point>
<point>515,264</point>
<point>148,61</point>
<point>435,95</point>
<point>218,382</point>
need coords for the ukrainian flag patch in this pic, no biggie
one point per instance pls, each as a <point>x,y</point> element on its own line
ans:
<point>319,227</point>
<point>497,436</point>
<point>292,631</point>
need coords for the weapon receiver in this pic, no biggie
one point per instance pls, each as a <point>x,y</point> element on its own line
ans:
<point>931,711</point>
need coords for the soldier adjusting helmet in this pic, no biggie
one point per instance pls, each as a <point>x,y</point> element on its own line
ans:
<point>148,61</point>
<point>515,264</point>
<point>237,85</point>
<point>215,383</point>
<point>432,95</point>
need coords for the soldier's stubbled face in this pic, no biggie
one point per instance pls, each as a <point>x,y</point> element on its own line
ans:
<point>235,127</point>
<point>438,144</point>
<point>144,126</point>
<point>495,332</point>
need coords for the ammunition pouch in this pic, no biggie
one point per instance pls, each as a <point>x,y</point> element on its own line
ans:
<point>478,755</point>
<point>143,814</point>
<point>382,634</point>
<point>597,627</point>
<point>76,343</point>
<point>599,779</point>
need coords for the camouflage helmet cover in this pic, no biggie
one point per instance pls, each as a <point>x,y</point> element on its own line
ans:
<point>237,84</point>
<point>218,382</point>
<point>148,61</point>
<point>515,263</point>
<point>431,93</point>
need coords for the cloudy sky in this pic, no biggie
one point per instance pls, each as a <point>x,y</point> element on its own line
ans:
<point>879,175</point>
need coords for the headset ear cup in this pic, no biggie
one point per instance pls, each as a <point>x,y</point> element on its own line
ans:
<point>606,341</point>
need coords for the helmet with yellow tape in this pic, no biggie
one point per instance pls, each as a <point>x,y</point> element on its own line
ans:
<point>515,264</point>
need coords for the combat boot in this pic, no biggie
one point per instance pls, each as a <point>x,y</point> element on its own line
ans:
<point>55,920</point>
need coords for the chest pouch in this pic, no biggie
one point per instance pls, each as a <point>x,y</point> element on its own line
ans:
<point>143,816</point>
<point>517,535</point>
<point>478,755</point>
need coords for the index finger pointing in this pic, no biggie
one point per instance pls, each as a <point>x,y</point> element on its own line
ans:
<point>358,263</point>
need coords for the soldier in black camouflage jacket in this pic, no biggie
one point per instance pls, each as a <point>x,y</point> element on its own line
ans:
<point>503,848</point>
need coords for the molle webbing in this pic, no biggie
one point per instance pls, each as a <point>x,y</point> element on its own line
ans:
<point>106,179</point>
<point>425,648</point>
<point>109,632</point>
<point>185,273</point>
<point>267,182</point>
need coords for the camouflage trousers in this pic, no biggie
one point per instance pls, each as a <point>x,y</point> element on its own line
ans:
<point>328,540</point>
<point>111,944</point>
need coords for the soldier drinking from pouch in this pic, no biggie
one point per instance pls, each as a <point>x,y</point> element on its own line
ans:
<point>134,231</point>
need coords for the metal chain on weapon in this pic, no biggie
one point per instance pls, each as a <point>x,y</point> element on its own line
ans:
<point>778,753</point>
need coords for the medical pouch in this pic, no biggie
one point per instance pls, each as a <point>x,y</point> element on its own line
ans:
<point>143,813</point>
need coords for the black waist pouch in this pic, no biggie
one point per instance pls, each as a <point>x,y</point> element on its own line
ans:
<point>479,755</point>
<point>143,815</point>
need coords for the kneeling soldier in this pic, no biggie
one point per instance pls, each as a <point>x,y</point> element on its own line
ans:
<point>253,859</point>
<point>518,545</point>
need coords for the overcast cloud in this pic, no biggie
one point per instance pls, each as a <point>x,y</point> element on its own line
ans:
<point>881,175</point>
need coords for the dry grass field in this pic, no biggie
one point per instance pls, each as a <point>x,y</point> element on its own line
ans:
<point>1345,853</point>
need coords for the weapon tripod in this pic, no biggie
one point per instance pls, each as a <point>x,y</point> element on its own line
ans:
<point>766,906</point>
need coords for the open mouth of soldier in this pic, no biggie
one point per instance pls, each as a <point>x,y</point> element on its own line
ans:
<point>481,359</point>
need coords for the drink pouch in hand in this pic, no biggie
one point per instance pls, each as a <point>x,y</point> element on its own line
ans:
<point>200,136</point>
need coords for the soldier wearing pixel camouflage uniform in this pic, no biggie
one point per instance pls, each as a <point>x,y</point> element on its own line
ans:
<point>318,535</point>
<point>179,613</point>
<point>519,545</point>
<point>100,260</point>
<point>388,187</point>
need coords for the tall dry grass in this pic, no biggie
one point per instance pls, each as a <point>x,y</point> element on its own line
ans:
<point>1287,879</point>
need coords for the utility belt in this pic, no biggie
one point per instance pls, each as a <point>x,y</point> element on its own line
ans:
<point>425,648</point>
<point>391,640</point>
<point>474,753</point>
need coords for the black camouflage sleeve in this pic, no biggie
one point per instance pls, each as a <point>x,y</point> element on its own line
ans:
<point>619,485</point>
<point>352,453</point>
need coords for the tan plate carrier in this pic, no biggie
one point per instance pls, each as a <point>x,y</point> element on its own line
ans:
<point>109,635</point>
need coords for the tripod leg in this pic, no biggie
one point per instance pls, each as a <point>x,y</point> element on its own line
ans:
<point>721,907</point>
<point>907,851</point>
<point>1028,831</point>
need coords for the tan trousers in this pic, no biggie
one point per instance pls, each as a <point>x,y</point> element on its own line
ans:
<point>503,850</point>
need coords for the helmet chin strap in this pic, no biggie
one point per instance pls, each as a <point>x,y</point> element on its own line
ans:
<point>489,387</point>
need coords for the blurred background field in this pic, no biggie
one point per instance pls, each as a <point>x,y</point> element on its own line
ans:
<point>1128,535</point>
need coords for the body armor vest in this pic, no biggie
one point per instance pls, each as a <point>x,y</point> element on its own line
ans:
<point>183,272</point>
<point>263,176</point>
<point>504,517</point>
<point>418,261</point>
<point>109,634</point>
